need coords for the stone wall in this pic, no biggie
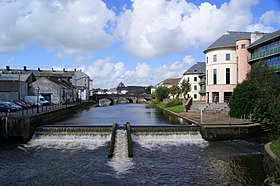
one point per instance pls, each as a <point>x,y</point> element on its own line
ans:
<point>23,127</point>
<point>271,165</point>
<point>230,132</point>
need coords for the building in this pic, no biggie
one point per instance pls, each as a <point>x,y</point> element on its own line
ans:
<point>227,64</point>
<point>169,82</point>
<point>14,86</point>
<point>266,49</point>
<point>77,78</point>
<point>195,75</point>
<point>131,90</point>
<point>55,91</point>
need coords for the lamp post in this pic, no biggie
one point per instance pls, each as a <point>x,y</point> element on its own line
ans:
<point>18,85</point>
<point>38,91</point>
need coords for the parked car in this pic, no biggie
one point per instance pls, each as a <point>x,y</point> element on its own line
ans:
<point>9,106</point>
<point>23,104</point>
<point>38,100</point>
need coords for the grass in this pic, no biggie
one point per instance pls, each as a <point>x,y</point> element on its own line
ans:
<point>275,147</point>
<point>177,108</point>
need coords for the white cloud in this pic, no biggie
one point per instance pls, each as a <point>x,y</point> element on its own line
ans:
<point>159,27</point>
<point>270,17</point>
<point>68,27</point>
<point>107,74</point>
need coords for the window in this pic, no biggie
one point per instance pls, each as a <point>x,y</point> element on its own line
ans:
<point>194,87</point>
<point>214,76</point>
<point>215,58</point>
<point>227,75</point>
<point>243,45</point>
<point>188,79</point>
<point>206,59</point>
<point>207,77</point>
<point>227,57</point>
<point>236,47</point>
<point>195,78</point>
<point>195,96</point>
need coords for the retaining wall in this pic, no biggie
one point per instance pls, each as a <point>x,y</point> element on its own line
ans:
<point>23,127</point>
<point>271,165</point>
<point>230,132</point>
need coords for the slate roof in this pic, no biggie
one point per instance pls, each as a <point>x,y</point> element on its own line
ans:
<point>15,77</point>
<point>229,39</point>
<point>171,81</point>
<point>265,39</point>
<point>198,68</point>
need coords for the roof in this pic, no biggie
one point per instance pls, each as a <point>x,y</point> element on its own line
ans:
<point>229,39</point>
<point>171,81</point>
<point>265,39</point>
<point>198,68</point>
<point>15,77</point>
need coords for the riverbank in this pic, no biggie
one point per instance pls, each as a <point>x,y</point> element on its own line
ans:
<point>272,163</point>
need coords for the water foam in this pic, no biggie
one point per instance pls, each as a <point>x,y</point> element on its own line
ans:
<point>89,142</point>
<point>120,162</point>
<point>152,141</point>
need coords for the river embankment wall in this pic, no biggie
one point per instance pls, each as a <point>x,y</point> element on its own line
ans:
<point>224,130</point>
<point>22,127</point>
<point>271,164</point>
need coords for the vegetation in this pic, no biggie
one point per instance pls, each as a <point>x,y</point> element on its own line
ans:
<point>148,90</point>
<point>175,105</point>
<point>175,91</point>
<point>161,93</point>
<point>258,96</point>
<point>275,147</point>
<point>185,88</point>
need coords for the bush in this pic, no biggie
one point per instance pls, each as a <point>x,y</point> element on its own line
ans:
<point>161,93</point>
<point>242,100</point>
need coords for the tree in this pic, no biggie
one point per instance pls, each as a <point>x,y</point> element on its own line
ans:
<point>175,91</point>
<point>161,93</point>
<point>148,90</point>
<point>185,88</point>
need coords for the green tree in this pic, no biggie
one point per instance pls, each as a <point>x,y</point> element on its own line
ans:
<point>185,88</point>
<point>161,93</point>
<point>175,91</point>
<point>148,90</point>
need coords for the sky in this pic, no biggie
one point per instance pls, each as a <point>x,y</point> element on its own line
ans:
<point>137,42</point>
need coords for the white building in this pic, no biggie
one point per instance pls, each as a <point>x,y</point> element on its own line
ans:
<point>195,75</point>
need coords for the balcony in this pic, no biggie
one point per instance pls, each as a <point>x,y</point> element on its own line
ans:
<point>202,91</point>
<point>203,82</point>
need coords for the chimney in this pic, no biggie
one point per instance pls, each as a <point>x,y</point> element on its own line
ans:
<point>52,69</point>
<point>256,36</point>
<point>39,69</point>
<point>63,69</point>
<point>24,68</point>
<point>8,68</point>
<point>75,70</point>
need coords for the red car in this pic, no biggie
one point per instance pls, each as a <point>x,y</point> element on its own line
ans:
<point>23,104</point>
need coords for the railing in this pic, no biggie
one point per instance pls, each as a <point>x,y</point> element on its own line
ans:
<point>37,110</point>
<point>265,53</point>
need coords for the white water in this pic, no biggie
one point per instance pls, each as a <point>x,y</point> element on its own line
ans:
<point>90,142</point>
<point>154,141</point>
<point>120,162</point>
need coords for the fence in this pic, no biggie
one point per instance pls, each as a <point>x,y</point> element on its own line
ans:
<point>37,110</point>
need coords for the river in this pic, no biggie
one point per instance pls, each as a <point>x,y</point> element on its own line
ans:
<point>157,160</point>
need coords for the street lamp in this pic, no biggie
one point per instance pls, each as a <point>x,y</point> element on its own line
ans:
<point>38,91</point>
<point>18,85</point>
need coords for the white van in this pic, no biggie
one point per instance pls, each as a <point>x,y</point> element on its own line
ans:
<point>36,100</point>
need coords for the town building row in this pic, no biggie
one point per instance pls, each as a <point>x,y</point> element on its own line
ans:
<point>56,86</point>
<point>227,62</point>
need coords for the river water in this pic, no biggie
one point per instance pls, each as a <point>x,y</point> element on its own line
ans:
<point>157,160</point>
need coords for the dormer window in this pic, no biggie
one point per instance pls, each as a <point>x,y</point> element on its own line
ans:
<point>243,46</point>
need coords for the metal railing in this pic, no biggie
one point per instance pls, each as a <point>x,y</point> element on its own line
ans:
<point>37,110</point>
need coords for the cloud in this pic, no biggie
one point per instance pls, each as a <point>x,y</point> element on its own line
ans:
<point>159,27</point>
<point>108,74</point>
<point>270,17</point>
<point>69,26</point>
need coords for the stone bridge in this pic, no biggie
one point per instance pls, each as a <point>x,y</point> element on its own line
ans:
<point>122,98</point>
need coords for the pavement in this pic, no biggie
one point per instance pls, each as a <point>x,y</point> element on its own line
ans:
<point>212,118</point>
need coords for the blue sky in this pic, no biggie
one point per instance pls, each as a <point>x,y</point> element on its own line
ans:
<point>139,42</point>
